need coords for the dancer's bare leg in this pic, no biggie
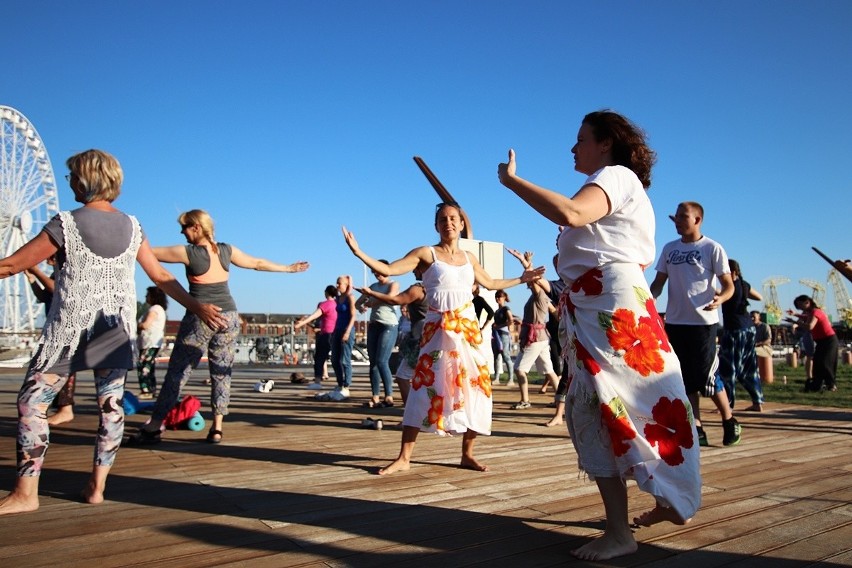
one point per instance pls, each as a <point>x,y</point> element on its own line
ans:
<point>404,386</point>
<point>467,459</point>
<point>657,515</point>
<point>23,498</point>
<point>64,414</point>
<point>94,491</point>
<point>403,461</point>
<point>557,416</point>
<point>617,539</point>
<point>523,385</point>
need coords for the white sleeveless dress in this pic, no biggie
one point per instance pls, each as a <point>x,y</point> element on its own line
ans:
<point>451,386</point>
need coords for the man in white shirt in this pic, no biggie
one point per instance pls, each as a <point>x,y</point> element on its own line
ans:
<point>692,265</point>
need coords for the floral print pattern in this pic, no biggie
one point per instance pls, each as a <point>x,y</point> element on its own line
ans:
<point>618,349</point>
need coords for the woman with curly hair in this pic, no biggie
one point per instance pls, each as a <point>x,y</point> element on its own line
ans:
<point>627,409</point>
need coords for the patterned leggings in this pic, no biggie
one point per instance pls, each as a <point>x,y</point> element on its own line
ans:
<point>146,369</point>
<point>193,339</point>
<point>36,394</point>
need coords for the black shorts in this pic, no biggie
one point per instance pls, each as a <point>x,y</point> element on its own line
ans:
<point>695,347</point>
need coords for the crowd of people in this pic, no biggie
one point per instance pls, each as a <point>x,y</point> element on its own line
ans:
<point>626,381</point>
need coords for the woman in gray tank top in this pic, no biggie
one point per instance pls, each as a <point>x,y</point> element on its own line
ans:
<point>207,269</point>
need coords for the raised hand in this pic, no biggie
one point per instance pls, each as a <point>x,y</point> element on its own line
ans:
<point>349,237</point>
<point>506,171</point>
<point>299,266</point>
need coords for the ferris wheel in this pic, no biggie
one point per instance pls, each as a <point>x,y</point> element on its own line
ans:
<point>28,200</point>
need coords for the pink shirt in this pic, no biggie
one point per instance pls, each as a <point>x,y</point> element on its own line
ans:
<point>823,327</point>
<point>329,315</point>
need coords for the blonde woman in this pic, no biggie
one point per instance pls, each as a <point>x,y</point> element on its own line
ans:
<point>92,319</point>
<point>207,263</point>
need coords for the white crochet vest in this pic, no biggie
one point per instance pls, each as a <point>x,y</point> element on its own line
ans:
<point>85,285</point>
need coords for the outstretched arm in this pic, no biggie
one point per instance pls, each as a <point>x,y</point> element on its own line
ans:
<point>405,264</point>
<point>175,254</point>
<point>587,206</point>
<point>484,279</point>
<point>166,281</point>
<point>243,260</point>
<point>33,252</point>
<point>526,261</point>
<point>844,267</point>
<point>308,319</point>
<point>414,293</point>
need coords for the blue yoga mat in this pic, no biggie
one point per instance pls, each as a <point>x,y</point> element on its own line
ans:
<point>130,403</point>
<point>196,423</point>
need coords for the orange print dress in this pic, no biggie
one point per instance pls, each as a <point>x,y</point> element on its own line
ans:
<point>451,386</point>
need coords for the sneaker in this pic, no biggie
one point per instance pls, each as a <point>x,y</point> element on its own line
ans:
<point>339,395</point>
<point>702,436</point>
<point>315,386</point>
<point>521,405</point>
<point>732,430</point>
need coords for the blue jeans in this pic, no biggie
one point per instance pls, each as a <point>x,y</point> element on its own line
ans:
<point>380,341</point>
<point>506,354</point>
<point>341,357</point>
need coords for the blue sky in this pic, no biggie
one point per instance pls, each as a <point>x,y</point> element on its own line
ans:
<point>286,120</point>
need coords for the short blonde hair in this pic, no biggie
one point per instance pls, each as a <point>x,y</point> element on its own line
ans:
<point>99,173</point>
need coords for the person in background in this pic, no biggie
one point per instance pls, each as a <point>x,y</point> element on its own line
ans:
<point>326,313</point>
<point>691,265</point>
<point>826,344</point>
<point>501,343</point>
<point>627,410</point>
<point>151,330</point>
<point>342,340</point>
<point>413,301</point>
<point>207,264</point>
<point>42,286</point>
<point>382,331</point>
<point>763,348</point>
<point>737,356</point>
<point>92,320</point>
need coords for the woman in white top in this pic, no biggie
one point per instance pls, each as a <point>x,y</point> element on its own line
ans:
<point>151,329</point>
<point>627,408</point>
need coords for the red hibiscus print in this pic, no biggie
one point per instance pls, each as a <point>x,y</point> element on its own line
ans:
<point>671,431</point>
<point>586,358</point>
<point>618,425</point>
<point>639,343</point>
<point>657,324</point>
<point>591,283</point>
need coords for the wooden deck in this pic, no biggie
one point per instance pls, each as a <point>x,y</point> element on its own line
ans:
<point>292,485</point>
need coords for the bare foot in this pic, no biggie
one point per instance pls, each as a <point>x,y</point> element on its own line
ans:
<point>14,503</point>
<point>554,422</point>
<point>92,495</point>
<point>657,515</point>
<point>396,465</point>
<point>64,414</point>
<point>606,547</point>
<point>471,463</point>
<point>754,408</point>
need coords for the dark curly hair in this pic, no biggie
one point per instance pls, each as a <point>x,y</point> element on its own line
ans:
<point>158,297</point>
<point>629,147</point>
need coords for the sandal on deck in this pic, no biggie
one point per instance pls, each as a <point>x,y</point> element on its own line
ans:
<point>211,436</point>
<point>143,438</point>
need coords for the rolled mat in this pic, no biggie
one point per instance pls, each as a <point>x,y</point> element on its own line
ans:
<point>196,423</point>
<point>130,403</point>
